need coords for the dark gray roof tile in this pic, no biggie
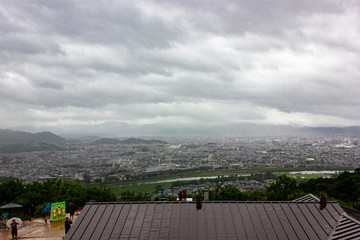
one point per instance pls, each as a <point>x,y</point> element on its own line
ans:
<point>216,220</point>
<point>346,228</point>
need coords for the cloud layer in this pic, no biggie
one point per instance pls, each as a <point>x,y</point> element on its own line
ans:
<point>88,63</point>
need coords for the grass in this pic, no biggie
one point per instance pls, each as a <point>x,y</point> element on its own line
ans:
<point>140,186</point>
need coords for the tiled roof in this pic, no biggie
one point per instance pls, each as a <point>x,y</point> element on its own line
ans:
<point>307,198</point>
<point>352,213</point>
<point>215,220</point>
<point>346,228</point>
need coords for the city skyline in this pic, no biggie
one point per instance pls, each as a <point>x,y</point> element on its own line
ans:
<point>98,66</point>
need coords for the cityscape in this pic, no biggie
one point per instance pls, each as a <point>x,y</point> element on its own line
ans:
<point>179,119</point>
<point>97,162</point>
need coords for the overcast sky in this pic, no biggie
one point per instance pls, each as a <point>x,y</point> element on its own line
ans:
<point>90,63</point>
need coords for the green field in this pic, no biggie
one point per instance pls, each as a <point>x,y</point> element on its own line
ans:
<point>141,186</point>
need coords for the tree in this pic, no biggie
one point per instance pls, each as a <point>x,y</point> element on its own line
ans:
<point>229,192</point>
<point>284,188</point>
<point>33,196</point>
<point>10,190</point>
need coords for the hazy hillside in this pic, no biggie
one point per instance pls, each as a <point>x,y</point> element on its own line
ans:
<point>107,141</point>
<point>9,136</point>
<point>354,130</point>
<point>141,141</point>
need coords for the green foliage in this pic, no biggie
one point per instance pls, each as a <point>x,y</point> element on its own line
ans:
<point>5,179</point>
<point>132,196</point>
<point>256,195</point>
<point>230,192</point>
<point>35,195</point>
<point>284,188</point>
<point>87,178</point>
<point>167,197</point>
<point>10,190</point>
<point>345,188</point>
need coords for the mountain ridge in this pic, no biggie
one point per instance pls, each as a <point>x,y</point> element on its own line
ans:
<point>11,136</point>
<point>124,130</point>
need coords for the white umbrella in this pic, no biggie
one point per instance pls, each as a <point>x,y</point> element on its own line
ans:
<point>9,222</point>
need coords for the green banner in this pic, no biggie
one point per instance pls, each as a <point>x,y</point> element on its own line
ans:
<point>58,211</point>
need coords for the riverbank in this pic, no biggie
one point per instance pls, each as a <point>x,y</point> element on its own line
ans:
<point>152,184</point>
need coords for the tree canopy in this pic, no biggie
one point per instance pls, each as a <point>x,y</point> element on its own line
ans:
<point>34,196</point>
<point>345,188</point>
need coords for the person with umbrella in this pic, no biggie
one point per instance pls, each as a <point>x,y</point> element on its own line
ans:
<point>14,230</point>
<point>46,212</point>
<point>72,210</point>
<point>13,223</point>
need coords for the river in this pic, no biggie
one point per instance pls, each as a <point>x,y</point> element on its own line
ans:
<point>245,174</point>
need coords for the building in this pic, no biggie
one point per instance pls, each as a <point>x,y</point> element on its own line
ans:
<point>298,219</point>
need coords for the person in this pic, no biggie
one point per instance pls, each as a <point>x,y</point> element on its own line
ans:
<point>46,217</point>
<point>323,198</point>
<point>14,231</point>
<point>72,212</point>
<point>68,223</point>
<point>180,195</point>
<point>198,202</point>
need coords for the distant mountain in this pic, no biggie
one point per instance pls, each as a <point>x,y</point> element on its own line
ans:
<point>141,141</point>
<point>109,131</point>
<point>354,130</point>
<point>106,141</point>
<point>240,129</point>
<point>9,136</point>
<point>127,141</point>
<point>281,130</point>
<point>15,148</point>
<point>247,129</point>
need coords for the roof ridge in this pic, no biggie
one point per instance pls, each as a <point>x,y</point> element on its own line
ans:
<point>345,227</point>
<point>307,198</point>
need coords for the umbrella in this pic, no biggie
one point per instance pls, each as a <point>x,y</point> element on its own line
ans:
<point>9,222</point>
<point>72,206</point>
<point>11,205</point>
<point>47,208</point>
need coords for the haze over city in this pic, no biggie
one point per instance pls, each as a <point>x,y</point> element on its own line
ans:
<point>129,66</point>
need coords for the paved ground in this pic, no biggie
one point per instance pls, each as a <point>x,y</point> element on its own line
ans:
<point>37,230</point>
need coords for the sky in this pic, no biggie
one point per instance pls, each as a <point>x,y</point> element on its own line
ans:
<point>93,65</point>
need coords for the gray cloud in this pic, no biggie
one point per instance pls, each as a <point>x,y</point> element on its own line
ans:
<point>88,63</point>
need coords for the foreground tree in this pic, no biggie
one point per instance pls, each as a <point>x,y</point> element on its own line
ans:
<point>284,188</point>
<point>34,196</point>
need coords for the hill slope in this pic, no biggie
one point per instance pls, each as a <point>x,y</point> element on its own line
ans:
<point>9,136</point>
